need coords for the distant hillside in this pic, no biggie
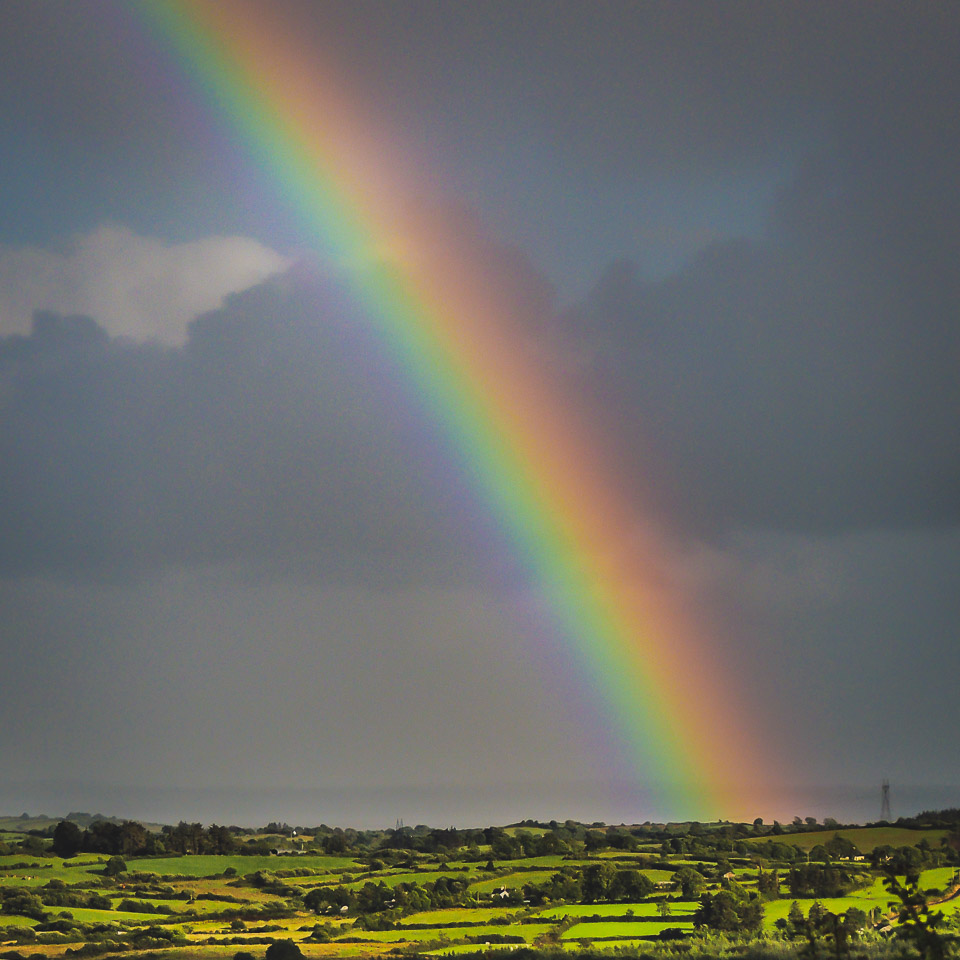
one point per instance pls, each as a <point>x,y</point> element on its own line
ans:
<point>865,838</point>
<point>25,822</point>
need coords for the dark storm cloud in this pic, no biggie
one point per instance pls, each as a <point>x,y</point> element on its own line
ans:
<point>807,379</point>
<point>259,536</point>
<point>279,432</point>
<point>619,86</point>
<point>549,110</point>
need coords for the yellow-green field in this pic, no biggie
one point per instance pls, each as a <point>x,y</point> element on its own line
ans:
<point>865,838</point>
<point>256,903</point>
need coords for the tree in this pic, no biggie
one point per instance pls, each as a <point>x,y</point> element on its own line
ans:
<point>691,882</point>
<point>838,846</point>
<point>102,836</point>
<point>630,886</point>
<point>917,921</point>
<point>283,950</point>
<point>597,881</point>
<point>768,885</point>
<point>722,911</point>
<point>796,919</point>
<point>335,843</point>
<point>67,838</point>
<point>132,838</point>
<point>820,854</point>
<point>114,866</point>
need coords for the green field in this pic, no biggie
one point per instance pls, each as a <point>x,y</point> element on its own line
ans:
<point>552,862</point>
<point>876,895</point>
<point>208,866</point>
<point>12,920</point>
<point>248,913</point>
<point>470,948</point>
<point>512,881</point>
<point>529,931</point>
<point>647,909</point>
<point>460,915</point>
<point>611,930</point>
<point>865,838</point>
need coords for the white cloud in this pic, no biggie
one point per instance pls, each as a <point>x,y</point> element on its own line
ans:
<point>134,286</point>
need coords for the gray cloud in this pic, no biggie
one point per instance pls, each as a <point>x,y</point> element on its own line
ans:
<point>280,432</point>
<point>258,533</point>
<point>806,379</point>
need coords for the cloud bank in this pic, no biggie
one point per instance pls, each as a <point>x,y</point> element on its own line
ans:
<point>135,286</point>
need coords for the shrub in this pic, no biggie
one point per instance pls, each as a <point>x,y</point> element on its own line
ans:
<point>283,950</point>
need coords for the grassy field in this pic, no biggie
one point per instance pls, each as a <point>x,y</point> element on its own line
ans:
<point>208,866</point>
<point>615,930</point>
<point>531,863</point>
<point>529,932</point>
<point>876,895</point>
<point>205,904</point>
<point>12,920</point>
<point>646,909</point>
<point>865,838</point>
<point>470,948</point>
<point>512,881</point>
<point>460,915</point>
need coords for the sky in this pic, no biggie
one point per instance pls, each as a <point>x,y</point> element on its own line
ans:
<point>242,576</point>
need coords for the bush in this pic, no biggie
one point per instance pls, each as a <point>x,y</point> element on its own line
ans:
<point>115,865</point>
<point>283,950</point>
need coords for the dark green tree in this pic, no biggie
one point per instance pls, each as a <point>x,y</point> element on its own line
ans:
<point>283,950</point>
<point>630,886</point>
<point>796,921</point>
<point>67,838</point>
<point>917,921</point>
<point>597,881</point>
<point>722,911</point>
<point>691,881</point>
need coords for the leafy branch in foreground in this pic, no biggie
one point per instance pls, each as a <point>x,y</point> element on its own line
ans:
<point>917,921</point>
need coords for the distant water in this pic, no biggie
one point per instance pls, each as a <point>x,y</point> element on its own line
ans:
<point>474,805</point>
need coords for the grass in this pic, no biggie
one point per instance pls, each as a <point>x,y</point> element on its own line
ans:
<point>226,951</point>
<point>392,879</point>
<point>865,838</point>
<point>459,915</point>
<point>529,932</point>
<point>41,869</point>
<point>13,920</point>
<point>182,906</point>
<point>610,930</point>
<point>875,895</point>
<point>88,915</point>
<point>203,875</point>
<point>554,862</point>
<point>471,948</point>
<point>206,866</point>
<point>606,946</point>
<point>512,881</point>
<point>647,909</point>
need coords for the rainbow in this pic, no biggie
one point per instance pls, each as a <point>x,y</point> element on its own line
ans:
<point>534,465</point>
